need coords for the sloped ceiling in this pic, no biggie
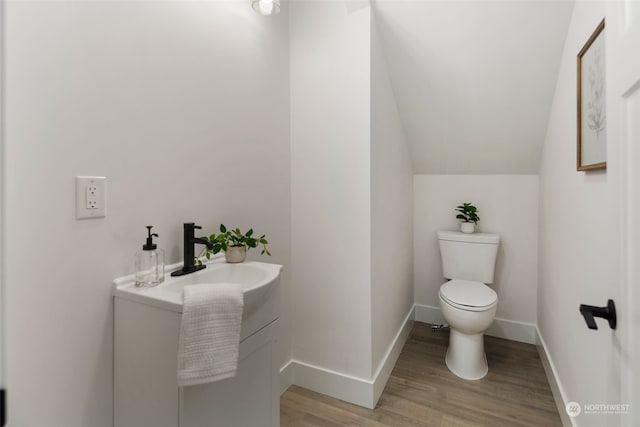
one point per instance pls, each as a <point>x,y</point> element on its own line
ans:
<point>473,80</point>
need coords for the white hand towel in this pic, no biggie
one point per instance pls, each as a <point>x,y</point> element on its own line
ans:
<point>209,333</point>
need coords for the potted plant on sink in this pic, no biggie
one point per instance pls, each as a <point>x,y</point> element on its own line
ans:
<point>468,215</point>
<point>234,243</point>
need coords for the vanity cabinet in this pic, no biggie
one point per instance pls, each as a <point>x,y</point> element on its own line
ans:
<point>146,359</point>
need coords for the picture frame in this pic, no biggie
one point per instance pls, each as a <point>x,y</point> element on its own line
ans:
<point>592,132</point>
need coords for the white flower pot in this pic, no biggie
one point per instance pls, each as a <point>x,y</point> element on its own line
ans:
<point>467,227</point>
<point>235,254</point>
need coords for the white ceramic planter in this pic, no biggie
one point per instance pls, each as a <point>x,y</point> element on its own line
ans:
<point>235,254</point>
<point>467,227</point>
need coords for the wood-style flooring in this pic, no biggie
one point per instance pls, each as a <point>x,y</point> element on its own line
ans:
<point>422,391</point>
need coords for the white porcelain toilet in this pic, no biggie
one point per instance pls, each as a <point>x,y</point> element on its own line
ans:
<point>467,303</point>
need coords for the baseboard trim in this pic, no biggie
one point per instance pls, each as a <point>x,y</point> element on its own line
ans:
<point>286,376</point>
<point>428,314</point>
<point>559,396</point>
<point>390,358</point>
<point>359,391</point>
<point>501,328</point>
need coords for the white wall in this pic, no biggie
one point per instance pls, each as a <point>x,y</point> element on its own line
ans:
<point>474,78</point>
<point>578,245</point>
<point>391,211</point>
<point>508,205</point>
<point>2,199</point>
<point>184,107</point>
<point>330,186</point>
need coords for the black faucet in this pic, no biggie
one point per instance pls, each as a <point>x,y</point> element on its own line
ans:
<point>189,254</point>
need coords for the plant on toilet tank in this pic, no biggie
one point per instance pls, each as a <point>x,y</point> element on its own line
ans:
<point>468,215</point>
<point>234,243</point>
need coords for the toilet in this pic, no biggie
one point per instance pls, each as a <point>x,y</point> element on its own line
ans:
<point>468,304</point>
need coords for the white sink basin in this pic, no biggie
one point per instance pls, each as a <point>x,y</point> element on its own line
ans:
<point>257,280</point>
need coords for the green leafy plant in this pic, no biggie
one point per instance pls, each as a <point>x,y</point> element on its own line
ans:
<point>234,237</point>
<point>467,213</point>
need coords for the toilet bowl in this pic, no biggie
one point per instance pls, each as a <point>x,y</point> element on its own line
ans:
<point>469,307</point>
<point>467,302</point>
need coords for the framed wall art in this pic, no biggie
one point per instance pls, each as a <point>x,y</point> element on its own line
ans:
<point>592,113</point>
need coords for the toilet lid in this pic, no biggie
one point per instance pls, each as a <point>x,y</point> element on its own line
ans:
<point>468,293</point>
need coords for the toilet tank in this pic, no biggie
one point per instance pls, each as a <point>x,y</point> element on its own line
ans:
<point>468,256</point>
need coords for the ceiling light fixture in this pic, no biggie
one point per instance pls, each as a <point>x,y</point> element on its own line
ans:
<point>266,7</point>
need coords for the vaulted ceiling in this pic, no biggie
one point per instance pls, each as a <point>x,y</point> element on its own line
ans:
<point>473,80</point>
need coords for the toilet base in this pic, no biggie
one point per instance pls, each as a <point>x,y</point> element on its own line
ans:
<point>465,356</point>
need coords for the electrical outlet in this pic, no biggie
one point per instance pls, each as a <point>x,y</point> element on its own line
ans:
<point>90,197</point>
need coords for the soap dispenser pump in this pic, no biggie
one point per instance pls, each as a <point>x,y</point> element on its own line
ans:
<point>149,263</point>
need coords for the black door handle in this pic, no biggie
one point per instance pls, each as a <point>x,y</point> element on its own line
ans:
<point>608,312</point>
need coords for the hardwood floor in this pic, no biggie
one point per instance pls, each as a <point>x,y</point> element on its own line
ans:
<point>422,391</point>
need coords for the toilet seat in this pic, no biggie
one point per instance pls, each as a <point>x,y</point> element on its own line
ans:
<point>468,295</point>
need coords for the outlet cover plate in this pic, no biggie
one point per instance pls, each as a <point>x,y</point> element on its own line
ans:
<point>90,197</point>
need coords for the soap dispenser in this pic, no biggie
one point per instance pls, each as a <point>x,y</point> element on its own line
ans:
<point>149,263</point>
